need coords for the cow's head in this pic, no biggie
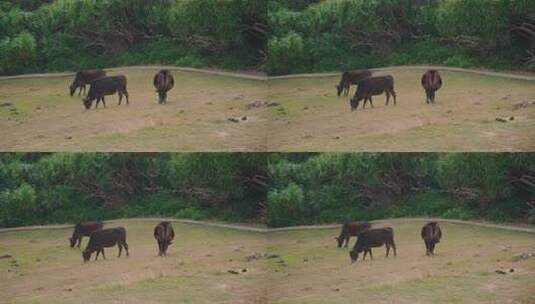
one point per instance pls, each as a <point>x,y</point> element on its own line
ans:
<point>73,88</point>
<point>339,241</point>
<point>339,89</point>
<point>354,103</point>
<point>354,255</point>
<point>88,102</point>
<point>72,241</point>
<point>86,254</point>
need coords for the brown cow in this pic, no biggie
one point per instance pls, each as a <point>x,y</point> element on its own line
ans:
<point>105,238</point>
<point>351,229</point>
<point>163,82</point>
<point>349,78</point>
<point>432,82</point>
<point>373,86</point>
<point>106,86</point>
<point>83,229</point>
<point>373,238</point>
<point>164,235</point>
<point>431,234</point>
<point>83,78</point>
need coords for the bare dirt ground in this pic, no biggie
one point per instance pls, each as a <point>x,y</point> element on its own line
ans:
<point>44,269</point>
<point>312,118</point>
<point>304,267</point>
<point>37,114</point>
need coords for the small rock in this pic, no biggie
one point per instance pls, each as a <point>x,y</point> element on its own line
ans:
<point>244,118</point>
<point>271,256</point>
<point>6,104</point>
<point>209,255</point>
<point>501,272</point>
<point>336,137</point>
<point>305,108</point>
<point>233,120</point>
<point>233,272</point>
<point>500,119</point>
<point>68,137</point>
<point>244,270</point>
<point>5,256</point>
<point>38,260</point>
<point>68,289</point>
<point>511,270</point>
<point>181,111</point>
<point>512,118</point>
<point>305,259</point>
<point>38,108</point>
<point>336,289</point>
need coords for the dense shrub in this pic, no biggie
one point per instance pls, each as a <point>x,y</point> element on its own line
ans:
<point>65,34</point>
<point>340,35</point>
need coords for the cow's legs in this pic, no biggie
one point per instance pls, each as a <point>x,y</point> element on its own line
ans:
<point>79,241</point>
<point>346,238</point>
<point>387,249</point>
<point>371,102</point>
<point>120,249</point>
<point>126,247</point>
<point>160,247</point>
<point>394,247</point>
<point>370,253</point>
<point>394,95</point>
<point>96,256</point>
<point>432,96</point>
<point>102,251</point>
<point>432,249</point>
<point>387,97</point>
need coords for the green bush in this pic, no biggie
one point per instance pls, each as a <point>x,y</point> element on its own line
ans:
<point>286,54</point>
<point>285,207</point>
<point>191,61</point>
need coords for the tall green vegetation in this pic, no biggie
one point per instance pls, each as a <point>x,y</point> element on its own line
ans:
<point>72,34</point>
<point>50,188</point>
<point>276,189</point>
<point>363,186</point>
<point>346,34</point>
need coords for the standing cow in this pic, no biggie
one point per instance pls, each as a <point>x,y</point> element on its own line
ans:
<point>106,86</point>
<point>163,82</point>
<point>373,86</point>
<point>431,234</point>
<point>164,235</point>
<point>373,238</point>
<point>83,229</point>
<point>349,78</point>
<point>351,229</point>
<point>105,238</point>
<point>431,82</point>
<point>83,78</point>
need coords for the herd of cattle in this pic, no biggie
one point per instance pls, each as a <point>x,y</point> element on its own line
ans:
<point>367,238</point>
<point>101,85</point>
<point>368,86</point>
<point>101,238</point>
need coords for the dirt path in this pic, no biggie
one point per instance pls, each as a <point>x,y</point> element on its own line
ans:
<point>243,75</point>
<point>512,75</point>
<point>259,228</point>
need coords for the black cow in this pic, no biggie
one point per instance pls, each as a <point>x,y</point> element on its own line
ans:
<point>373,86</point>
<point>349,78</point>
<point>105,238</point>
<point>351,229</point>
<point>163,82</point>
<point>83,78</point>
<point>373,238</point>
<point>83,229</point>
<point>431,234</point>
<point>164,235</point>
<point>432,82</point>
<point>106,86</point>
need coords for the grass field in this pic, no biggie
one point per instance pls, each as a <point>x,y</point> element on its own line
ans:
<point>194,271</point>
<point>312,118</point>
<point>309,268</point>
<point>37,114</point>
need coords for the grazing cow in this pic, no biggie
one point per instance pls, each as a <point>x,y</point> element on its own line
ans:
<point>106,86</point>
<point>105,238</point>
<point>351,229</point>
<point>431,234</point>
<point>163,82</point>
<point>349,78</point>
<point>373,238</point>
<point>373,86</point>
<point>83,78</point>
<point>164,235</point>
<point>431,82</point>
<point>83,229</point>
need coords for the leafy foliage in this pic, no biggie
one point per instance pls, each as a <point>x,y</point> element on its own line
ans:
<point>70,34</point>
